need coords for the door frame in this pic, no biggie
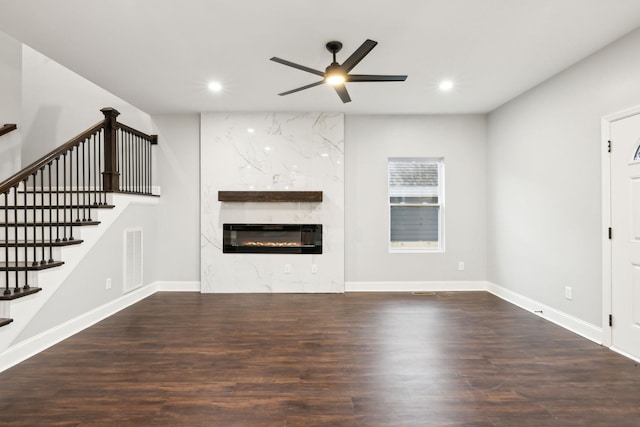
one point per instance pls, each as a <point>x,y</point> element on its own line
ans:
<point>605,126</point>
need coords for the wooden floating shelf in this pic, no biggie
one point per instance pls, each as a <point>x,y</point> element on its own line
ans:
<point>270,196</point>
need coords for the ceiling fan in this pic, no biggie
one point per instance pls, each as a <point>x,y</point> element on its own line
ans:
<point>338,74</point>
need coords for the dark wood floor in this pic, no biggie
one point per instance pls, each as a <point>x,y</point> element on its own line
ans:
<point>450,359</point>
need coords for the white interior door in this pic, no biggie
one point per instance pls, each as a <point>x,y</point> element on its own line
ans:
<point>625,242</point>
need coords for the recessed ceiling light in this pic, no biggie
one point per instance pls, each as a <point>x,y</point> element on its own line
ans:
<point>446,85</point>
<point>215,86</point>
<point>251,130</point>
<point>267,148</point>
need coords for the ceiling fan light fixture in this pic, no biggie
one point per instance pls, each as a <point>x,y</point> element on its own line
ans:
<point>335,79</point>
<point>335,75</point>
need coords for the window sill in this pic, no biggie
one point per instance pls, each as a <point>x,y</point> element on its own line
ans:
<point>416,251</point>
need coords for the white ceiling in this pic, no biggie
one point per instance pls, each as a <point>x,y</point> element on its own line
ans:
<point>159,55</point>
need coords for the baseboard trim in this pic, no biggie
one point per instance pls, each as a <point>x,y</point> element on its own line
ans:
<point>571,323</point>
<point>413,286</point>
<point>34,345</point>
<point>625,354</point>
<point>178,286</point>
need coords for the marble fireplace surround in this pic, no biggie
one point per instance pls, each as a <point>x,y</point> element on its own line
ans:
<point>266,168</point>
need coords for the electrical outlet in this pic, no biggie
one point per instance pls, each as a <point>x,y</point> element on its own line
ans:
<point>107,285</point>
<point>314,268</point>
<point>461,266</point>
<point>568,292</point>
<point>287,269</point>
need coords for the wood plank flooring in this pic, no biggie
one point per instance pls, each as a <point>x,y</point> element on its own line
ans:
<point>447,359</point>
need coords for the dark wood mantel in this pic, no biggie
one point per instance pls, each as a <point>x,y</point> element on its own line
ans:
<point>270,196</point>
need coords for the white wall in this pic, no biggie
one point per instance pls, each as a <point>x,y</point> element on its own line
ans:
<point>10,104</point>
<point>178,165</point>
<point>369,142</point>
<point>58,104</point>
<point>544,183</point>
<point>85,290</point>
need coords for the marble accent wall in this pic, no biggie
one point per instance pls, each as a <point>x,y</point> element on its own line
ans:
<point>272,152</point>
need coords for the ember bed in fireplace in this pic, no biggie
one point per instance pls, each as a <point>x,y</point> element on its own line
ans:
<point>272,238</point>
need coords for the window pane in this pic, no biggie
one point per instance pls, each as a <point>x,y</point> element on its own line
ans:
<point>413,178</point>
<point>414,200</point>
<point>414,226</point>
<point>416,203</point>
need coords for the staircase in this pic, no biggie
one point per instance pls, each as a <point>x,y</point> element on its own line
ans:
<point>45,206</point>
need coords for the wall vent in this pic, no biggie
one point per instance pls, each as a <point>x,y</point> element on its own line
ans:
<point>132,258</point>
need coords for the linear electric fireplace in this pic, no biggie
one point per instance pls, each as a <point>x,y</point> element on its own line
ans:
<point>272,238</point>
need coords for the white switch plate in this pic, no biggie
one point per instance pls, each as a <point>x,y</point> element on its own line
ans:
<point>107,285</point>
<point>461,266</point>
<point>314,268</point>
<point>287,268</point>
<point>568,292</point>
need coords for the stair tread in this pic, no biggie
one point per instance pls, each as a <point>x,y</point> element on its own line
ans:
<point>4,322</point>
<point>46,206</point>
<point>21,293</point>
<point>31,243</point>
<point>22,265</point>
<point>53,224</point>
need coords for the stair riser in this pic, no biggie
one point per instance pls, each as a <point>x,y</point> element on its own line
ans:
<point>29,255</point>
<point>31,279</point>
<point>68,198</point>
<point>53,215</point>
<point>56,232</point>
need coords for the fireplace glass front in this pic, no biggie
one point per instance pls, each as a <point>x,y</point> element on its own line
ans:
<point>272,238</point>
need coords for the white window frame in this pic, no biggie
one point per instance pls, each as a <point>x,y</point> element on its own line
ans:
<point>440,248</point>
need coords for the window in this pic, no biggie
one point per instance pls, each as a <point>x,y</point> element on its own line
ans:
<point>416,204</point>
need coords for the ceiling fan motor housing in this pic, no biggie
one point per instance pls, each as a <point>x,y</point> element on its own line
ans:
<point>334,47</point>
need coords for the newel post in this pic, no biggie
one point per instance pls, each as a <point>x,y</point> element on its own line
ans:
<point>111,174</point>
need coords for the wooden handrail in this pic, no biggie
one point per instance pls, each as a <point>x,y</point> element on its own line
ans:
<point>7,128</point>
<point>110,132</point>
<point>14,180</point>
<point>152,138</point>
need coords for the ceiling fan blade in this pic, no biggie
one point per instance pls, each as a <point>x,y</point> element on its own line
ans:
<point>301,88</point>
<point>342,93</point>
<point>357,56</point>
<point>298,66</point>
<point>374,78</point>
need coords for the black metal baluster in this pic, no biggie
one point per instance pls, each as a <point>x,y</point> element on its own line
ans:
<point>7,291</point>
<point>71,201</point>
<point>16,232</point>
<point>120,158</point>
<point>125,162</point>
<point>103,195</point>
<point>129,164</point>
<point>57,199</point>
<point>95,169</point>
<point>139,163</point>
<point>50,217</point>
<point>150,164</point>
<point>35,232</point>
<point>84,182</point>
<point>77,202</point>
<point>87,179</point>
<point>26,241</point>
<point>145,183</point>
<point>42,219</point>
<point>64,197</point>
